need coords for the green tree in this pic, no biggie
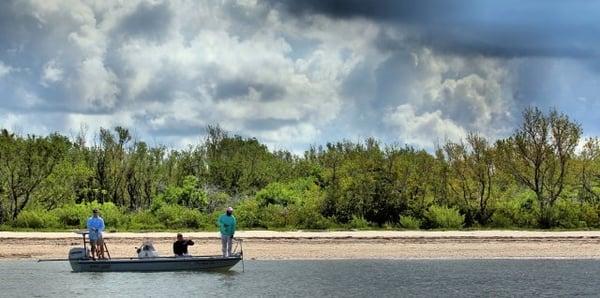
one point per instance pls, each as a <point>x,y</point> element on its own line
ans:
<point>589,171</point>
<point>64,184</point>
<point>143,174</point>
<point>190,195</point>
<point>538,155</point>
<point>26,163</point>
<point>473,170</point>
<point>242,166</point>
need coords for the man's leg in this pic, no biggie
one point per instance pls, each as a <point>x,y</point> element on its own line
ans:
<point>101,250</point>
<point>224,244</point>
<point>93,248</point>
<point>229,242</point>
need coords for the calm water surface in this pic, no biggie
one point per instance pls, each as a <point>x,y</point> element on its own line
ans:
<point>347,278</point>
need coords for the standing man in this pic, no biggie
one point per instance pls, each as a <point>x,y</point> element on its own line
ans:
<point>95,225</point>
<point>227,224</point>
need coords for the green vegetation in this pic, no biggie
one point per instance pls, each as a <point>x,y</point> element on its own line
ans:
<point>532,179</point>
<point>409,222</point>
<point>444,217</point>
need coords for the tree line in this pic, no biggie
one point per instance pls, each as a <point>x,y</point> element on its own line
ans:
<point>535,178</point>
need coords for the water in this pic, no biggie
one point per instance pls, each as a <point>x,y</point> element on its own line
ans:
<point>345,278</point>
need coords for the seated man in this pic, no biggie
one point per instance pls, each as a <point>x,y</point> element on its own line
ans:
<point>180,247</point>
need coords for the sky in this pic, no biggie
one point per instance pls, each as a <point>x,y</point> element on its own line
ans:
<point>296,73</point>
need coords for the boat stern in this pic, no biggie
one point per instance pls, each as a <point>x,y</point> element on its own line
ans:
<point>77,254</point>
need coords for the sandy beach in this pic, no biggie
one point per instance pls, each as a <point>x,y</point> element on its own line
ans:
<point>270,245</point>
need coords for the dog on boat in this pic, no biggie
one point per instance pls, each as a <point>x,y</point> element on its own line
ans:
<point>146,250</point>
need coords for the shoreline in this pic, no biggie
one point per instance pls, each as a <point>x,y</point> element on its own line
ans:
<point>298,245</point>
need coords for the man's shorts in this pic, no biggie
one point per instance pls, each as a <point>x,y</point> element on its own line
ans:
<point>96,241</point>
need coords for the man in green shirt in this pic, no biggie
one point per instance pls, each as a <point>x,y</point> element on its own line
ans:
<point>227,224</point>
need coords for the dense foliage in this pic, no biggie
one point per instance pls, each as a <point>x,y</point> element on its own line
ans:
<point>533,179</point>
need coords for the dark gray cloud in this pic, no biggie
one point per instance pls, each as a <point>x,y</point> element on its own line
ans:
<point>17,25</point>
<point>173,127</point>
<point>149,21</point>
<point>246,23</point>
<point>268,124</point>
<point>228,89</point>
<point>475,27</point>
<point>394,10</point>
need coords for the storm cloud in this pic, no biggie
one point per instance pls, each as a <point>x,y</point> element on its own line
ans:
<point>475,27</point>
<point>296,73</point>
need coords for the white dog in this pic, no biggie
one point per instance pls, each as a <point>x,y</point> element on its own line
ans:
<point>146,251</point>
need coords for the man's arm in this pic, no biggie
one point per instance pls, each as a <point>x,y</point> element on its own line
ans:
<point>101,224</point>
<point>190,242</point>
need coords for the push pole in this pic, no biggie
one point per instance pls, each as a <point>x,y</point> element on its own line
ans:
<point>84,246</point>
<point>242,254</point>
<point>52,260</point>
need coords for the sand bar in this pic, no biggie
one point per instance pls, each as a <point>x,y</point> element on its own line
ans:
<point>273,245</point>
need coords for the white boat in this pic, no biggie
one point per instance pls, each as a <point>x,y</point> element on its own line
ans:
<point>80,261</point>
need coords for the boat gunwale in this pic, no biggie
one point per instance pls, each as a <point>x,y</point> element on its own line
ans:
<point>159,259</point>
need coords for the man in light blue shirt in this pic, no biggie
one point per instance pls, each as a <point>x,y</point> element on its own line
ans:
<point>227,225</point>
<point>95,225</point>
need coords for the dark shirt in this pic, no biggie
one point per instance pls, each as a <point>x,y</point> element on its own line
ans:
<point>180,247</point>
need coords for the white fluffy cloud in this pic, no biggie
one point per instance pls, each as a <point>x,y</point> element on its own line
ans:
<point>477,93</point>
<point>423,130</point>
<point>96,84</point>
<point>173,67</point>
<point>4,69</point>
<point>167,69</point>
<point>429,98</point>
<point>52,73</point>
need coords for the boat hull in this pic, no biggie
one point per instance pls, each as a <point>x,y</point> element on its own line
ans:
<point>212,263</point>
